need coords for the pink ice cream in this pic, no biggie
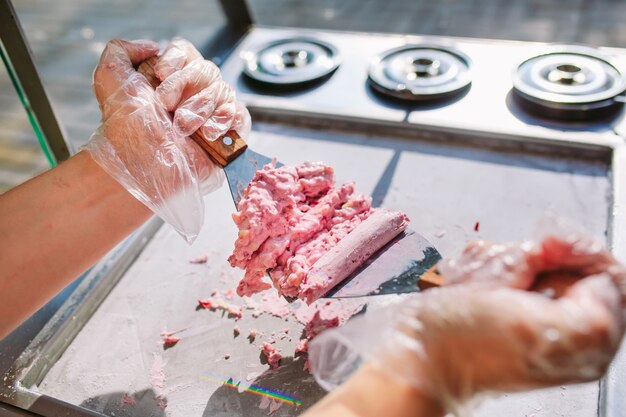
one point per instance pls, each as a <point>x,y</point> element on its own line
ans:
<point>216,303</point>
<point>272,354</point>
<point>351,252</point>
<point>289,220</point>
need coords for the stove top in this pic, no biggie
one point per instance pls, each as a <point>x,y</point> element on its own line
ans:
<point>469,86</point>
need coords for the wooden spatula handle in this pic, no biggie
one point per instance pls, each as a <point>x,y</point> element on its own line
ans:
<point>224,149</point>
<point>431,278</point>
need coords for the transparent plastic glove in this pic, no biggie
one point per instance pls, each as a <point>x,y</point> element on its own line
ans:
<point>137,143</point>
<point>489,333</point>
<point>193,89</point>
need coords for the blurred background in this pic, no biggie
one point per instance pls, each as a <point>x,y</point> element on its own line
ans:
<point>67,37</point>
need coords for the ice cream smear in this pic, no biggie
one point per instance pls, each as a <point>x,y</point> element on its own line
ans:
<point>308,233</point>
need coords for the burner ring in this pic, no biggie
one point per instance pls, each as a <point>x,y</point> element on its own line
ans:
<point>567,74</point>
<point>291,61</point>
<point>420,72</point>
<point>567,77</point>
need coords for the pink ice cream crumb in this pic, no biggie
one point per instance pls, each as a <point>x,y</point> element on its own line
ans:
<point>302,346</point>
<point>290,218</point>
<point>169,341</point>
<point>322,315</point>
<point>272,354</point>
<point>127,399</point>
<point>217,303</point>
<point>312,329</point>
<point>229,294</point>
<point>342,309</point>
<point>199,260</point>
<point>252,335</point>
<point>315,327</point>
<point>318,324</point>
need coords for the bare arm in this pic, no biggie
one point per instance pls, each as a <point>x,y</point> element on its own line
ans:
<point>371,393</point>
<point>53,228</point>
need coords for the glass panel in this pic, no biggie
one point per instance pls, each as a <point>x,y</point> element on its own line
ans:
<point>597,23</point>
<point>67,37</point>
<point>21,157</point>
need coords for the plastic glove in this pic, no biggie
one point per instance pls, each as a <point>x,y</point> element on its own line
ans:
<point>139,145</point>
<point>489,334</point>
<point>193,89</point>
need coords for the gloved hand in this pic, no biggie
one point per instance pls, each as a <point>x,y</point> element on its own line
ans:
<point>139,145</point>
<point>490,333</point>
<point>193,89</point>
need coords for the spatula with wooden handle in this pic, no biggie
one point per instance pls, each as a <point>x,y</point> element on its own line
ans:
<point>229,151</point>
<point>394,269</point>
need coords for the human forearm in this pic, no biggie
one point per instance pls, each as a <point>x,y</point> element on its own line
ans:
<point>53,228</point>
<point>372,393</point>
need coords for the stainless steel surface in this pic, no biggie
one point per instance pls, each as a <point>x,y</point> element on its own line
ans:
<point>488,106</point>
<point>478,158</point>
<point>291,61</point>
<point>14,44</point>
<point>394,269</point>
<point>160,290</point>
<point>420,72</point>
<point>240,172</point>
<point>48,337</point>
<point>10,411</point>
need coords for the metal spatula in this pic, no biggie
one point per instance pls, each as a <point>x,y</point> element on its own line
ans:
<point>397,268</point>
<point>394,269</point>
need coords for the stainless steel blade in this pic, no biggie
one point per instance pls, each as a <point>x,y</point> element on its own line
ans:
<point>395,269</point>
<point>240,172</point>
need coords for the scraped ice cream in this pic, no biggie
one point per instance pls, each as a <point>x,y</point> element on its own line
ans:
<point>272,354</point>
<point>169,340</point>
<point>291,221</point>
<point>351,252</point>
<point>215,302</point>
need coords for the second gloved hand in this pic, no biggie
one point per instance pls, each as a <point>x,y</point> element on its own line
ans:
<point>490,333</point>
